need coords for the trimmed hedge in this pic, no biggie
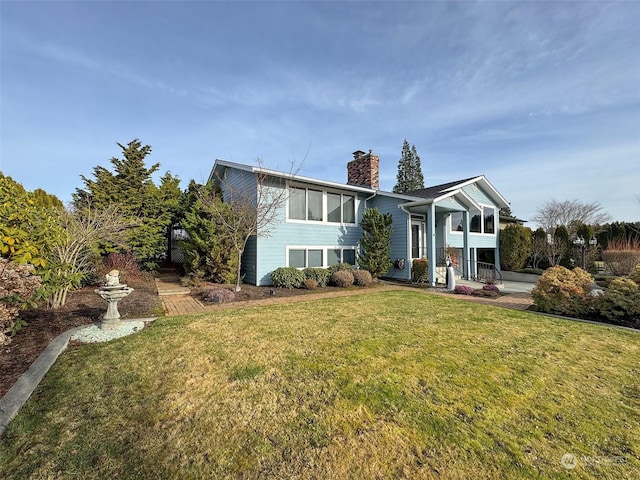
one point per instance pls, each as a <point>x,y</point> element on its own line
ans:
<point>287,277</point>
<point>362,278</point>
<point>342,278</point>
<point>320,275</point>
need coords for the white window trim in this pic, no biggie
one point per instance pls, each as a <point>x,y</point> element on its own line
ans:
<point>325,249</point>
<point>325,213</point>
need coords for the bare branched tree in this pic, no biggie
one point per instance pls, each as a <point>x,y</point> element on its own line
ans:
<point>73,254</point>
<point>569,213</point>
<point>248,208</point>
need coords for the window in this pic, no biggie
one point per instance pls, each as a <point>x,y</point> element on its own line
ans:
<point>348,209</point>
<point>297,258</point>
<point>309,205</point>
<point>314,198</point>
<point>489,222</point>
<point>456,222</point>
<point>475,224</point>
<point>302,257</point>
<point>314,258</point>
<point>349,256</point>
<point>333,207</point>
<point>297,203</point>
<point>480,221</point>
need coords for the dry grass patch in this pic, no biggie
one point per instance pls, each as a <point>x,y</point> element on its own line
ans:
<point>384,385</point>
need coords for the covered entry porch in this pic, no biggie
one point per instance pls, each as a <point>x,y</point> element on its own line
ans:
<point>441,228</point>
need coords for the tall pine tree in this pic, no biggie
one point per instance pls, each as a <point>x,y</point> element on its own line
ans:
<point>409,176</point>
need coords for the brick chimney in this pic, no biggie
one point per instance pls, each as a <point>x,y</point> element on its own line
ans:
<point>364,170</point>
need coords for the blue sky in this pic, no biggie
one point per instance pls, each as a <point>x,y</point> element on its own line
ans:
<point>541,97</point>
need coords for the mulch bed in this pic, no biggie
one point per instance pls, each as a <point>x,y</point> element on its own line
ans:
<point>83,307</point>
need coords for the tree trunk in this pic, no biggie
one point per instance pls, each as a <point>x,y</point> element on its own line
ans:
<point>238,287</point>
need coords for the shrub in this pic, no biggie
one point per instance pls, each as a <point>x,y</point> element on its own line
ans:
<point>287,277</point>
<point>342,278</point>
<point>620,301</point>
<point>516,243</point>
<point>362,278</point>
<point>310,284</point>
<point>320,275</point>
<point>490,287</point>
<point>125,263</point>
<point>635,274</point>
<point>463,290</point>
<point>338,267</point>
<point>563,291</point>
<point>622,256</point>
<point>219,295</point>
<point>17,285</point>
<point>419,270</point>
<point>604,280</point>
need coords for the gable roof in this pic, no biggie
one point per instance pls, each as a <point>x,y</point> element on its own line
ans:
<point>442,191</point>
<point>437,190</point>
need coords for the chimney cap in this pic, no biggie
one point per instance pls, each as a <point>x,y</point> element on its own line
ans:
<point>358,154</point>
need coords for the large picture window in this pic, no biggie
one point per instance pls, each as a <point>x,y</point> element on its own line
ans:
<point>321,206</point>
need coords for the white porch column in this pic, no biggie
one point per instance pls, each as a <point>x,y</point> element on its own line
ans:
<point>466,252</point>
<point>431,243</point>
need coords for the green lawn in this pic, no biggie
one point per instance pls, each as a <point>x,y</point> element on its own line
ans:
<point>381,385</point>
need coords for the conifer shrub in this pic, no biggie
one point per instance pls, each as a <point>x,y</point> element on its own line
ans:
<point>620,302</point>
<point>635,274</point>
<point>342,278</point>
<point>362,278</point>
<point>320,275</point>
<point>287,277</point>
<point>563,291</point>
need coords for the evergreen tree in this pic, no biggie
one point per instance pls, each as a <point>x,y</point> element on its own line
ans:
<point>516,243</point>
<point>409,176</point>
<point>149,210</point>
<point>209,252</point>
<point>375,243</point>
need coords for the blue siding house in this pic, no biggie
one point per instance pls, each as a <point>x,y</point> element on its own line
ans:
<point>316,223</point>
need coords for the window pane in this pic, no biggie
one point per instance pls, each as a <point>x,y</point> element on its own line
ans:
<point>475,224</point>
<point>488,220</point>
<point>415,241</point>
<point>333,257</point>
<point>315,205</point>
<point>296,258</point>
<point>297,203</point>
<point>333,207</point>
<point>315,258</point>
<point>348,209</point>
<point>456,222</point>
<point>349,256</point>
